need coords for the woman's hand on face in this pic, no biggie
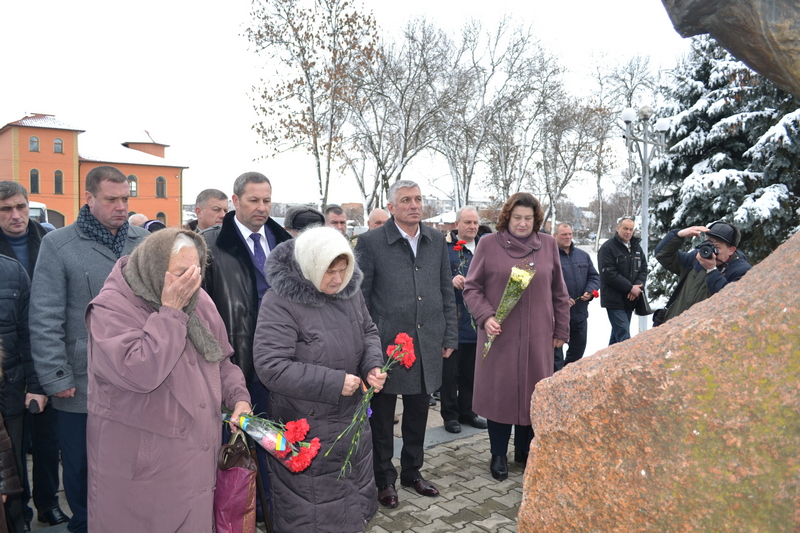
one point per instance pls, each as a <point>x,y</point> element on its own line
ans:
<point>241,408</point>
<point>376,378</point>
<point>351,384</point>
<point>178,290</point>
<point>492,326</point>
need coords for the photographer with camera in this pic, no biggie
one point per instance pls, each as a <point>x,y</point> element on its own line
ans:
<point>705,270</point>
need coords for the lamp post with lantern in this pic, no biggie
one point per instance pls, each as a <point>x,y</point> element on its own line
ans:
<point>647,140</point>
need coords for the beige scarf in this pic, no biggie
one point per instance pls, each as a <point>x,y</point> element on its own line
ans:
<point>145,272</point>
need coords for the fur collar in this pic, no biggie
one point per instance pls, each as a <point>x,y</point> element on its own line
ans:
<point>286,279</point>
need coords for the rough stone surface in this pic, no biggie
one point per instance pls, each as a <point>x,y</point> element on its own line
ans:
<point>765,34</point>
<point>691,426</point>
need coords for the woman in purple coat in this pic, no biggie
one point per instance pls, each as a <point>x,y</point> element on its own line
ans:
<point>159,373</point>
<point>522,353</point>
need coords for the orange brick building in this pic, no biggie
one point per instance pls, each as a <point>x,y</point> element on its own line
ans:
<point>42,154</point>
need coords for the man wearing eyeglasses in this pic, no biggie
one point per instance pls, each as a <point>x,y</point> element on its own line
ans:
<point>623,272</point>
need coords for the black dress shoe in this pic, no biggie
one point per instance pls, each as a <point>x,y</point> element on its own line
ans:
<point>499,467</point>
<point>53,516</point>
<point>452,426</point>
<point>431,401</point>
<point>387,497</point>
<point>26,527</point>
<point>475,421</point>
<point>422,486</point>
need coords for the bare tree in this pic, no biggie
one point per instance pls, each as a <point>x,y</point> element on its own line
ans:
<point>491,74</point>
<point>565,151</point>
<point>514,136</point>
<point>622,85</point>
<point>617,204</point>
<point>397,103</point>
<point>632,78</point>
<point>603,110</point>
<point>320,46</point>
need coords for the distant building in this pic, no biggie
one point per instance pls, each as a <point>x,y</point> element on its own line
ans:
<point>42,153</point>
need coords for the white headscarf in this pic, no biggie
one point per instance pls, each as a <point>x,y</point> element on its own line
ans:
<point>316,248</point>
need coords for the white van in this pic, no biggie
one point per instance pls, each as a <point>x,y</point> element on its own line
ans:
<point>37,211</point>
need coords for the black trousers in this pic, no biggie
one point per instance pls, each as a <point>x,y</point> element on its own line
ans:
<point>15,505</point>
<point>72,441</point>
<point>499,435</point>
<point>415,419</point>
<point>458,377</point>
<point>576,345</point>
<point>43,429</point>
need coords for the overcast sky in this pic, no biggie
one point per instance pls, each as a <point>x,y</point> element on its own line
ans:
<point>182,71</point>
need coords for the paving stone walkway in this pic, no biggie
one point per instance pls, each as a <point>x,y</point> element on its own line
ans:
<point>470,501</point>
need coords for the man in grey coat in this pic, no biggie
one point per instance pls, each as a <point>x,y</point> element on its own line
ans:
<point>408,289</point>
<point>73,264</point>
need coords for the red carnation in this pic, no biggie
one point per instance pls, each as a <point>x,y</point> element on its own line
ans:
<point>403,338</point>
<point>296,430</point>
<point>302,459</point>
<point>461,243</point>
<point>595,294</point>
<point>408,359</point>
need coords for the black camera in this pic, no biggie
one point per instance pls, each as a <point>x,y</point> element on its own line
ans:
<point>706,249</point>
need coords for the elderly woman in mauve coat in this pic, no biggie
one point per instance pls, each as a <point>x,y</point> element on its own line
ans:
<point>159,373</point>
<point>314,344</point>
<point>522,353</point>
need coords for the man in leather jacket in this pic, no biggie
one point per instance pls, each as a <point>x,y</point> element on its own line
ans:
<point>623,272</point>
<point>20,238</point>
<point>235,281</point>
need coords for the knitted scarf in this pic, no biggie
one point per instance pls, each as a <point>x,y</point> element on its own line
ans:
<point>145,272</point>
<point>92,228</point>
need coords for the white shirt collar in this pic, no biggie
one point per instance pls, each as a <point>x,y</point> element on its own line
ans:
<point>246,232</point>
<point>412,241</point>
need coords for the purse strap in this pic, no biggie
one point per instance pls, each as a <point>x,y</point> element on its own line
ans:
<point>233,453</point>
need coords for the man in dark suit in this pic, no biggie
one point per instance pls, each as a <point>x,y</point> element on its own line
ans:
<point>238,250</point>
<point>408,289</point>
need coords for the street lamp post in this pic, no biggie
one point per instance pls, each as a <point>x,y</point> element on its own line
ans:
<point>647,140</point>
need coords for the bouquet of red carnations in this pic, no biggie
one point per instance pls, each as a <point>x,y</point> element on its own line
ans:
<point>285,442</point>
<point>403,353</point>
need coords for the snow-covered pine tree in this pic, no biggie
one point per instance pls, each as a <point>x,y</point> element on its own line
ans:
<point>734,155</point>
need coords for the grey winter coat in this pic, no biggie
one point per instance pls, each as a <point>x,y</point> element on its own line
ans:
<point>413,295</point>
<point>305,343</point>
<point>70,272</point>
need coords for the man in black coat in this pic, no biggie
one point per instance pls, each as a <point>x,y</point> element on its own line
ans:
<point>458,370</point>
<point>623,272</point>
<point>235,280</point>
<point>20,239</point>
<point>408,288</point>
